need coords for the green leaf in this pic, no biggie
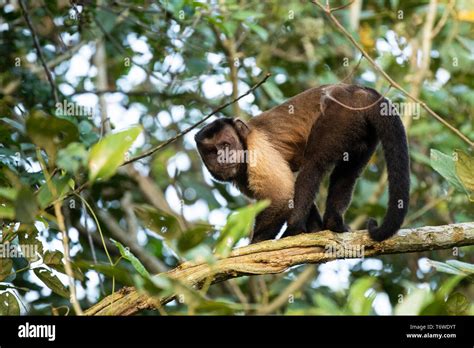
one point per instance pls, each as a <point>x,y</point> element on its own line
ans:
<point>462,266</point>
<point>29,238</point>
<point>166,225</point>
<point>357,302</point>
<point>9,193</point>
<point>73,157</point>
<point>238,226</point>
<point>6,266</point>
<point>62,185</point>
<point>446,268</point>
<point>218,307</point>
<point>260,31</point>
<point>54,259</point>
<point>229,27</point>
<point>121,274</point>
<point>50,133</point>
<point>51,281</point>
<point>126,254</point>
<point>465,172</point>
<point>457,304</point>
<point>196,66</point>
<point>445,166</point>
<point>243,15</point>
<point>273,91</point>
<point>326,305</point>
<point>414,302</point>
<point>109,153</point>
<point>25,206</point>
<point>193,237</point>
<point>448,286</point>
<point>7,211</point>
<point>9,304</point>
<point>160,285</point>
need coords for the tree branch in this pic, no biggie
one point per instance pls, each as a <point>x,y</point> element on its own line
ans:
<point>149,261</point>
<point>49,75</point>
<point>284,296</point>
<point>154,194</point>
<point>271,257</point>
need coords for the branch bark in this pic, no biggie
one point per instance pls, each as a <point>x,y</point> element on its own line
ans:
<point>276,256</point>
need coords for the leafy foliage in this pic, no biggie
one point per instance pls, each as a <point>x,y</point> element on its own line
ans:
<point>166,65</point>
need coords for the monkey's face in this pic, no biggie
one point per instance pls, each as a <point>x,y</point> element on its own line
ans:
<point>221,149</point>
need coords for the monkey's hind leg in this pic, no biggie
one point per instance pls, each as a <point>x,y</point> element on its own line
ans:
<point>341,185</point>
<point>314,222</point>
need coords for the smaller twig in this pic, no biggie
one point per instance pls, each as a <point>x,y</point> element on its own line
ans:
<point>427,207</point>
<point>187,130</point>
<point>351,74</point>
<point>65,239</point>
<point>154,195</point>
<point>153,264</point>
<point>294,286</point>
<point>59,59</point>
<point>232,285</point>
<point>49,75</point>
<point>127,206</point>
<point>443,19</point>
<point>361,108</point>
<point>334,9</point>
<point>91,242</point>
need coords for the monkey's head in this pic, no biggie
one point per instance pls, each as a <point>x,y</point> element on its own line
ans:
<point>221,145</point>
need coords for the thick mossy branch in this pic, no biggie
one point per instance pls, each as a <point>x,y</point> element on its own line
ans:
<point>276,256</point>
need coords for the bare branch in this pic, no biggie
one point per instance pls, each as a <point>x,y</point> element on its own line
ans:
<point>444,18</point>
<point>361,108</point>
<point>149,261</point>
<point>334,9</point>
<point>49,75</point>
<point>154,194</point>
<point>294,286</point>
<point>276,256</point>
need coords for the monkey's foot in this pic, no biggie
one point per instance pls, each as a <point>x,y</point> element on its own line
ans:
<point>336,224</point>
<point>293,230</point>
<point>313,225</point>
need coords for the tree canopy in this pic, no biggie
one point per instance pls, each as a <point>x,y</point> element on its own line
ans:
<point>101,186</point>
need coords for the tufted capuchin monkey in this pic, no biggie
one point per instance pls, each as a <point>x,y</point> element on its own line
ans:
<point>331,128</point>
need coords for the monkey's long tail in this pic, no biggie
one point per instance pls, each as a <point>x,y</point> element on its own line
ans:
<point>391,132</point>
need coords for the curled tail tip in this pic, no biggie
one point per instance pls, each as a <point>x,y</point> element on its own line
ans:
<point>378,234</point>
<point>371,224</point>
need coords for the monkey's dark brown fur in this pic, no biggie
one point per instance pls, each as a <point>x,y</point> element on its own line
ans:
<point>332,128</point>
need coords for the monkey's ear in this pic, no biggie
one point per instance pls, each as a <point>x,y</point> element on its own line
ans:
<point>241,127</point>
